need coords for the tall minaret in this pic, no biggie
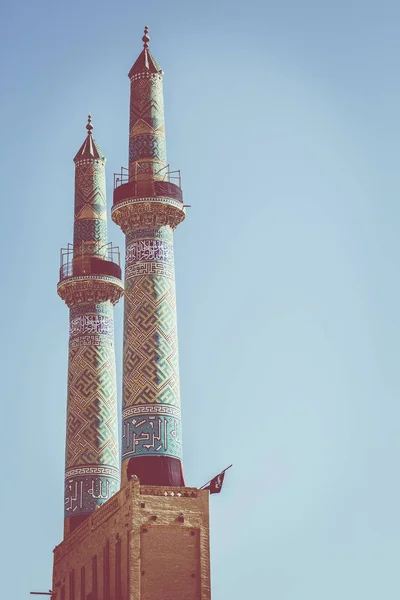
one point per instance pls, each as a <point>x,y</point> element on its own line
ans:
<point>90,284</point>
<point>148,206</point>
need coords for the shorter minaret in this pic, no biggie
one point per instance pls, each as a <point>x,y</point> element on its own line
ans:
<point>90,283</point>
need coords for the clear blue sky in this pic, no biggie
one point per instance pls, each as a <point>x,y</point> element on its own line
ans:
<point>284,120</point>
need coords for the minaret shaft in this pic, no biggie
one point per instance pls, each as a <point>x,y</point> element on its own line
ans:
<point>92,458</point>
<point>151,402</point>
<point>90,210</point>
<point>147,147</point>
<point>148,208</point>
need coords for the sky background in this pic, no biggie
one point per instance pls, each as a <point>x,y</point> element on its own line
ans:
<point>284,120</point>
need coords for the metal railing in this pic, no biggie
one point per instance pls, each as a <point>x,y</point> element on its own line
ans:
<point>170,176</point>
<point>163,174</point>
<point>121,177</point>
<point>88,258</point>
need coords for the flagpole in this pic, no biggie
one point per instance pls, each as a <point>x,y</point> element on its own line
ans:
<point>203,486</point>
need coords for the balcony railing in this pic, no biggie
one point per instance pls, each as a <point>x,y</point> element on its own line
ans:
<point>121,177</point>
<point>125,189</point>
<point>90,258</point>
<point>163,174</point>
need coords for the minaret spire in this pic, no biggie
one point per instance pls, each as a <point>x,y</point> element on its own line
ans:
<point>89,125</point>
<point>90,283</point>
<point>145,62</point>
<point>146,37</point>
<point>148,207</point>
<point>89,148</point>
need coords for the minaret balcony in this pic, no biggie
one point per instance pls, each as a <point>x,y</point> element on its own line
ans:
<point>90,274</point>
<point>89,258</point>
<point>168,185</point>
<point>150,202</point>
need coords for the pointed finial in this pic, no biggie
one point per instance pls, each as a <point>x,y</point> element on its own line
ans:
<point>146,37</point>
<point>89,125</point>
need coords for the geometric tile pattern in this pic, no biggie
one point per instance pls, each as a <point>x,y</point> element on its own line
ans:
<point>90,230</point>
<point>147,146</point>
<point>147,101</point>
<point>79,310</point>
<point>90,223</point>
<point>147,149</point>
<point>90,187</point>
<point>92,428</point>
<point>151,370</point>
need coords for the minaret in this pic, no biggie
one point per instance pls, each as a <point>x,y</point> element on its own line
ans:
<point>148,206</point>
<point>90,283</point>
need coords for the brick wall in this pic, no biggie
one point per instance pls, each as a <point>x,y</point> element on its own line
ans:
<point>150,543</point>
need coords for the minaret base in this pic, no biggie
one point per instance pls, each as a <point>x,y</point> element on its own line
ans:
<point>163,469</point>
<point>73,523</point>
<point>145,543</point>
